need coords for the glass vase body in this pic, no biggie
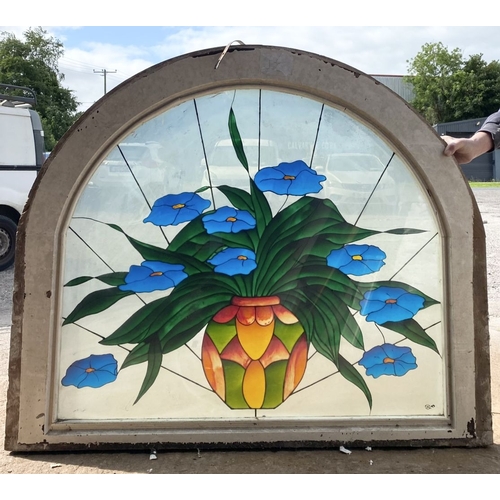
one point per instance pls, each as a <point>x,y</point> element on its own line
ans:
<point>254,353</point>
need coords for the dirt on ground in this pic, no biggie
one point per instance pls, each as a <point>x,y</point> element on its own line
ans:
<point>279,461</point>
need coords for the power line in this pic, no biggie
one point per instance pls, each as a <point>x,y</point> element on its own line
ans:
<point>104,72</point>
<point>73,63</point>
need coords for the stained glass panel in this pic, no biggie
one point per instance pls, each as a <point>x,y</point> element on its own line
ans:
<point>252,253</point>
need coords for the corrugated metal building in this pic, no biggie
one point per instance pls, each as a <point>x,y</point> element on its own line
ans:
<point>398,85</point>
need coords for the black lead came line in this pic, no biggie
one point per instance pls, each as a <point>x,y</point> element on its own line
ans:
<point>140,189</point>
<point>204,152</point>
<point>411,258</point>
<point>373,190</point>
<point>317,135</point>
<point>164,367</point>
<point>96,254</point>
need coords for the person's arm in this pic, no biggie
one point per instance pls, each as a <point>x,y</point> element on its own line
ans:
<point>484,140</point>
<point>492,127</point>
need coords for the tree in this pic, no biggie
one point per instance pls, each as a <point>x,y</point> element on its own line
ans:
<point>33,63</point>
<point>449,88</point>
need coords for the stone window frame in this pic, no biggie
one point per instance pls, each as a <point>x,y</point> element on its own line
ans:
<point>38,280</point>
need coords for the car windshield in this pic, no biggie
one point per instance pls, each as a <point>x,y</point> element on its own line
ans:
<point>131,153</point>
<point>347,163</point>
<point>224,156</point>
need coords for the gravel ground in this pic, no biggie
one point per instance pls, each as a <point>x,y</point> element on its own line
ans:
<point>488,200</point>
<point>387,461</point>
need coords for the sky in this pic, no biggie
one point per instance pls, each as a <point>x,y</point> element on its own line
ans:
<point>125,44</point>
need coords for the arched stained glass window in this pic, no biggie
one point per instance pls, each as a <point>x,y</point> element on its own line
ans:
<point>277,247</point>
<point>206,224</point>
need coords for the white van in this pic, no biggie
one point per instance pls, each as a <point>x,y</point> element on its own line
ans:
<point>21,157</point>
<point>225,168</point>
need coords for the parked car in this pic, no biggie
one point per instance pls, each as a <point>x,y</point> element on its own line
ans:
<point>21,157</point>
<point>143,159</point>
<point>225,168</point>
<point>131,172</point>
<point>353,178</point>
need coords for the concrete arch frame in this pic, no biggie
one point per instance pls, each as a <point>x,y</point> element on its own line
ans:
<point>38,281</point>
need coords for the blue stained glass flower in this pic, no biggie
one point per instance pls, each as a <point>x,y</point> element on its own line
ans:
<point>95,371</point>
<point>388,359</point>
<point>228,220</point>
<point>174,209</point>
<point>153,275</point>
<point>233,261</point>
<point>294,178</point>
<point>390,304</point>
<point>357,260</point>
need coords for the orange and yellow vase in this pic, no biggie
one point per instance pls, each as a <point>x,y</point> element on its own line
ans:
<point>254,353</point>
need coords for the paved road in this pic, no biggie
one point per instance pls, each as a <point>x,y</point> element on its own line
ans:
<point>488,200</point>
<point>6,283</point>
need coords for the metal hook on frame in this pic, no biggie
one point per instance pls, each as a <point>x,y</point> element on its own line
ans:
<point>225,50</point>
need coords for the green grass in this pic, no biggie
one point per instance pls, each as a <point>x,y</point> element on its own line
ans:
<point>490,184</point>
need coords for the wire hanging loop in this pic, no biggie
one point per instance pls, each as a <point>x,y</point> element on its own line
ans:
<point>226,49</point>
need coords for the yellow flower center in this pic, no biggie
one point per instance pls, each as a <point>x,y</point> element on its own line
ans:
<point>242,257</point>
<point>231,219</point>
<point>388,360</point>
<point>90,370</point>
<point>390,301</point>
<point>357,257</point>
<point>179,205</point>
<point>289,178</point>
<point>156,273</point>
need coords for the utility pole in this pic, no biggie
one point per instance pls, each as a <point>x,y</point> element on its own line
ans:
<point>104,72</point>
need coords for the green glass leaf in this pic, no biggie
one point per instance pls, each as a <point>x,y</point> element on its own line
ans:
<point>113,279</point>
<point>172,343</point>
<point>139,354</point>
<point>261,208</point>
<point>350,329</point>
<point>321,327</point>
<point>236,139</point>
<point>412,331</point>
<point>302,277</point>
<point>192,315</point>
<point>190,231</point>
<point>204,188</point>
<point>96,302</point>
<point>345,233</point>
<point>405,230</point>
<point>331,330</point>
<point>332,306</point>
<point>150,252</point>
<point>190,305</point>
<point>239,198</point>
<point>325,333</point>
<point>302,309</point>
<point>155,358</point>
<point>79,281</point>
<point>276,269</point>
<point>352,375</point>
<point>294,229</point>
<point>138,327</point>
<point>284,219</point>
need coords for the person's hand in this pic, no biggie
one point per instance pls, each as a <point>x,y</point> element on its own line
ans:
<point>465,150</point>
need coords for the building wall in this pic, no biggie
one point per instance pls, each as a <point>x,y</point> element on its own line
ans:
<point>398,85</point>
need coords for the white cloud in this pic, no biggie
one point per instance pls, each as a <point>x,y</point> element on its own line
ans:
<point>83,68</point>
<point>371,49</point>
